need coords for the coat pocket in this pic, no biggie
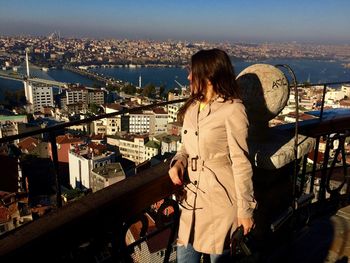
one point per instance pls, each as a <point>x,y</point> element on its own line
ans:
<point>219,188</point>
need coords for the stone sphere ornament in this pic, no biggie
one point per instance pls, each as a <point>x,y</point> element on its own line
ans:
<point>264,91</point>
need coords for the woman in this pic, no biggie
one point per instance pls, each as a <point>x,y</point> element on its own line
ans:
<point>219,191</point>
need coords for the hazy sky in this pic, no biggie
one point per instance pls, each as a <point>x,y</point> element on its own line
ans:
<point>316,21</point>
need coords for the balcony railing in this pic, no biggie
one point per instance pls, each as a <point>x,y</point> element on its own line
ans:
<point>94,228</point>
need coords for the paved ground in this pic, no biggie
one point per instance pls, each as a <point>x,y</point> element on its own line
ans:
<point>340,247</point>
<point>326,239</point>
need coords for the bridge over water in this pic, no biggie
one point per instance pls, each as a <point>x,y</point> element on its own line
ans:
<point>18,77</point>
<point>85,73</point>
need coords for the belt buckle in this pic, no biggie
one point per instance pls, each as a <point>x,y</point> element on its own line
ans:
<point>194,163</point>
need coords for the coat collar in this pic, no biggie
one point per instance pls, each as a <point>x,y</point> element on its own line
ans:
<point>195,116</point>
<point>206,111</point>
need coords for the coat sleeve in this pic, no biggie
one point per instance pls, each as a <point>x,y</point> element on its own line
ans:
<point>237,133</point>
<point>180,155</point>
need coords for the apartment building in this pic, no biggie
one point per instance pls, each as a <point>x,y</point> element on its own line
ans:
<point>141,122</point>
<point>174,108</point>
<point>96,97</point>
<point>160,122</point>
<point>38,96</point>
<point>132,147</point>
<point>113,124</point>
<point>82,159</point>
<point>76,94</point>
<point>151,121</point>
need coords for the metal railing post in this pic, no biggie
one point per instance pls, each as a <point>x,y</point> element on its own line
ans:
<point>52,137</point>
<point>323,98</point>
<point>314,165</point>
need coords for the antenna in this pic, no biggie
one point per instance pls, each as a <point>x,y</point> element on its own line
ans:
<point>27,62</point>
<point>178,83</point>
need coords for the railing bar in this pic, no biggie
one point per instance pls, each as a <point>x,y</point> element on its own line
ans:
<point>326,83</point>
<point>150,235</point>
<point>322,191</point>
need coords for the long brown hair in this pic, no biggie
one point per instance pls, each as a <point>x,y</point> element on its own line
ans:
<point>213,65</point>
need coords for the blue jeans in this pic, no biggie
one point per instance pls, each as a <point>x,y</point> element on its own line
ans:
<point>189,255</point>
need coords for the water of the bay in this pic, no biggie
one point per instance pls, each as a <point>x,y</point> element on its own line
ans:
<point>314,71</point>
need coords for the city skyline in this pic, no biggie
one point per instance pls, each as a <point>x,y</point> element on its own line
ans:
<point>235,21</point>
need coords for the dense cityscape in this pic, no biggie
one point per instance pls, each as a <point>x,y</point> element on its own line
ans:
<point>55,51</point>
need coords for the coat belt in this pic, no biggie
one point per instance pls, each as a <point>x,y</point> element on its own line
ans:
<point>197,163</point>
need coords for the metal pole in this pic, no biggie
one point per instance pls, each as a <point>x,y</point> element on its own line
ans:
<point>52,137</point>
<point>323,98</point>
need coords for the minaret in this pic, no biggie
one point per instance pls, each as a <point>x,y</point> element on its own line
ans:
<point>140,81</point>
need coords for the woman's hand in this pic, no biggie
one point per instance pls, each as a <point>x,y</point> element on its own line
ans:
<point>247,223</point>
<point>176,173</point>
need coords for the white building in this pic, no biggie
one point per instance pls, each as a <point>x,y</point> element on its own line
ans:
<point>160,122</point>
<point>132,147</point>
<point>170,143</point>
<point>152,121</point>
<point>100,126</point>
<point>113,124</point>
<point>75,95</point>
<point>38,96</point>
<point>141,122</point>
<point>81,162</point>
<point>77,99</point>
<point>174,108</point>
<point>151,149</point>
<point>346,89</point>
<point>333,96</point>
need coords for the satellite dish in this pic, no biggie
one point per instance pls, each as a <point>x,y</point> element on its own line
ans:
<point>265,92</point>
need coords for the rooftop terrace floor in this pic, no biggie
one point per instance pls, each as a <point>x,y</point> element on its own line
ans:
<point>324,239</point>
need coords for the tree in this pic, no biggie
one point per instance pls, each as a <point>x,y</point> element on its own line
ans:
<point>129,89</point>
<point>93,108</point>
<point>14,98</point>
<point>96,85</point>
<point>161,89</point>
<point>149,90</point>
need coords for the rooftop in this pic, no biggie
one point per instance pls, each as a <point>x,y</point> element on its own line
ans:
<point>110,170</point>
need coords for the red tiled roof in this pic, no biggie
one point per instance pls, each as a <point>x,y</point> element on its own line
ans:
<point>97,136</point>
<point>344,102</point>
<point>97,146</point>
<point>302,116</point>
<point>159,111</point>
<point>64,139</point>
<point>4,214</point>
<point>320,156</point>
<point>4,194</point>
<point>28,143</point>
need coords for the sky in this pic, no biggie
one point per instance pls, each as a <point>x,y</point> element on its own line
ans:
<point>251,21</point>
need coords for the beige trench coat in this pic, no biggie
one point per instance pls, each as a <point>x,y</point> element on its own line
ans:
<point>215,152</point>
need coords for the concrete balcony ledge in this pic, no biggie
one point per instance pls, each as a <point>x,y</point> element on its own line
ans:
<point>99,212</point>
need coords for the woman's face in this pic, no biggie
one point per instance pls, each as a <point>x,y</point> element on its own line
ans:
<point>189,77</point>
